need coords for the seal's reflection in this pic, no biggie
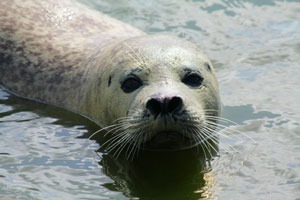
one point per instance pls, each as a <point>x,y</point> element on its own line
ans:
<point>160,175</point>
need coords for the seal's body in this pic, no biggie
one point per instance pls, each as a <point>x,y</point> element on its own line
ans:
<point>45,48</point>
<point>143,88</point>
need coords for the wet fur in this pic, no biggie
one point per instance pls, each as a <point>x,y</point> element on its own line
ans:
<point>46,46</point>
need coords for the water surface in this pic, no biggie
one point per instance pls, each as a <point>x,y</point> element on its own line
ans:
<point>255,48</point>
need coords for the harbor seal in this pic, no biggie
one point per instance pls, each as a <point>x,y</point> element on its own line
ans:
<point>146,91</point>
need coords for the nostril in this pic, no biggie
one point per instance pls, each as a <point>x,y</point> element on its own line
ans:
<point>154,106</point>
<point>164,106</point>
<point>175,104</point>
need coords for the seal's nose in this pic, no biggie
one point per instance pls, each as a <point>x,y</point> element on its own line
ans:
<point>164,106</point>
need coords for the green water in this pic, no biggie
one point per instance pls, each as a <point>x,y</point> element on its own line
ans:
<point>255,48</point>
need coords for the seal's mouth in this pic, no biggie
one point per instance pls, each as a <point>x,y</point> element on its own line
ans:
<point>168,141</point>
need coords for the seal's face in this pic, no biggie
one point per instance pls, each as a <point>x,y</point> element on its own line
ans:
<point>167,94</point>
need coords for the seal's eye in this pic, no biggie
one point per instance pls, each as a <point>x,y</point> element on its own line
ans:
<point>192,79</point>
<point>131,84</point>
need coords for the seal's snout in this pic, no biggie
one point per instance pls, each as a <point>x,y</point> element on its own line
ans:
<point>164,106</point>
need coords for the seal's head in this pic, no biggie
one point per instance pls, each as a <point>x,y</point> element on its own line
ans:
<point>161,93</point>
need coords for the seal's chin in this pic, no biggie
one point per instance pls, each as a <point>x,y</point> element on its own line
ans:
<point>168,141</point>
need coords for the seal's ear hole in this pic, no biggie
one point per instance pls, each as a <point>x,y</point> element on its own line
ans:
<point>208,67</point>
<point>193,79</point>
<point>109,81</point>
<point>131,83</point>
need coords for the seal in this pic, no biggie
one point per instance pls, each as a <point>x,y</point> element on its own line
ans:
<point>146,91</point>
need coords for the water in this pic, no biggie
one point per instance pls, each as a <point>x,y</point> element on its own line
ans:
<point>255,48</point>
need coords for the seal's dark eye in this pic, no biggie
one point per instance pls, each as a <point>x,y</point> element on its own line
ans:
<point>131,84</point>
<point>192,79</point>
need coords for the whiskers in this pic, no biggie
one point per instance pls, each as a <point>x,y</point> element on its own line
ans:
<point>207,129</point>
<point>223,129</point>
<point>202,137</point>
<point>126,136</point>
<point>203,131</point>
